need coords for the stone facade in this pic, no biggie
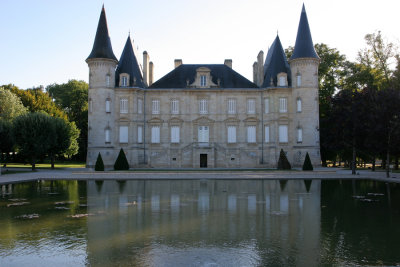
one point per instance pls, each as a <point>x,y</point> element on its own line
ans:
<point>204,123</point>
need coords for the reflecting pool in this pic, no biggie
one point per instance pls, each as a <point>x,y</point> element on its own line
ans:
<point>200,223</point>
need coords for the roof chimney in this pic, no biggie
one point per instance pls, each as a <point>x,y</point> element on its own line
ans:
<point>228,62</point>
<point>178,62</point>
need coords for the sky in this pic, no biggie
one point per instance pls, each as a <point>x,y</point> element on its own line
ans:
<point>46,41</point>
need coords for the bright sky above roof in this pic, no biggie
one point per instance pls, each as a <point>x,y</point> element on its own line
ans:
<point>45,41</point>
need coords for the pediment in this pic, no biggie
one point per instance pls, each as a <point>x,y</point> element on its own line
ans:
<point>155,120</point>
<point>232,120</point>
<point>175,120</point>
<point>251,119</point>
<point>203,119</point>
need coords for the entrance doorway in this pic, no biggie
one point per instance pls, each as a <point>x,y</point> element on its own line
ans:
<point>203,160</point>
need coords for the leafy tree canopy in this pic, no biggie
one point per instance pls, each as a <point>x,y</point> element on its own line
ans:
<point>10,105</point>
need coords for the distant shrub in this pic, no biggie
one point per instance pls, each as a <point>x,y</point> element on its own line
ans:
<point>99,167</point>
<point>307,165</point>
<point>121,163</point>
<point>283,163</point>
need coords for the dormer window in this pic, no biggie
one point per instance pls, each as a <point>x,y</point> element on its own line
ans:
<point>124,80</point>
<point>203,80</point>
<point>282,79</point>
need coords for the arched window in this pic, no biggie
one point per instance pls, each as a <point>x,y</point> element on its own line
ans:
<point>108,105</point>
<point>298,78</point>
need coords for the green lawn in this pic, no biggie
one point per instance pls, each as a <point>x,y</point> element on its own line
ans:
<point>57,165</point>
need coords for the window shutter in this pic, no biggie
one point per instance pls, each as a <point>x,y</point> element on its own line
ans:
<point>266,133</point>
<point>251,134</point>
<point>140,134</point>
<point>174,134</point>
<point>283,133</point>
<point>155,134</point>
<point>123,134</point>
<point>231,134</point>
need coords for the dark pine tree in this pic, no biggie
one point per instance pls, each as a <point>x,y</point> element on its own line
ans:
<point>121,163</point>
<point>307,165</point>
<point>99,164</point>
<point>283,163</point>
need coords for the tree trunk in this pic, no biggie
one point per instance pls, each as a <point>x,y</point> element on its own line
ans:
<point>353,164</point>
<point>396,163</point>
<point>33,163</point>
<point>373,163</point>
<point>388,157</point>
<point>52,161</point>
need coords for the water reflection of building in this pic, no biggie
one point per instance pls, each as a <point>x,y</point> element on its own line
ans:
<point>272,222</point>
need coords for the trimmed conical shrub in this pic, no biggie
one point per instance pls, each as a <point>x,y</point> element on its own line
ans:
<point>121,163</point>
<point>99,167</point>
<point>307,165</point>
<point>283,163</point>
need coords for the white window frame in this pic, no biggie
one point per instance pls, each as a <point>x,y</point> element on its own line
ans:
<point>203,134</point>
<point>282,81</point>
<point>107,136</point>
<point>231,106</point>
<point>174,106</point>
<point>251,134</point>
<point>266,105</point>
<point>299,135</point>
<point>283,134</point>
<point>140,134</point>
<point>251,106</point>
<point>203,80</point>
<point>108,105</point>
<point>123,108</point>
<point>123,134</point>
<point>155,106</point>
<point>231,134</point>
<point>108,80</point>
<point>298,104</point>
<point>155,134</point>
<point>283,105</point>
<point>175,134</point>
<point>124,81</point>
<point>203,106</point>
<point>298,79</point>
<point>266,134</point>
<point>139,106</point>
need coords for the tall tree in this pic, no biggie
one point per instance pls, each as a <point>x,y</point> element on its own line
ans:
<point>72,97</point>
<point>6,140</point>
<point>10,105</point>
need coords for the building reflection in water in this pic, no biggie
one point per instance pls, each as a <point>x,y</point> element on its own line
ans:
<point>200,222</point>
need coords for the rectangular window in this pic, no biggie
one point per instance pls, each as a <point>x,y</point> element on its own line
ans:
<point>299,135</point>
<point>283,105</point>
<point>155,108</point>
<point>108,105</point>
<point>251,134</point>
<point>140,134</point>
<point>203,80</point>
<point>266,105</point>
<point>175,134</point>
<point>231,106</point>
<point>139,106</point>
<point>123,105</point>
<point>203,134</point>
<point>174,106</point>
<point>124,81</point>
<point>298,105</point>
<point>266,133</point>
<point>123,134</point>
<point>283,133</point>
<point>203,106</point>
<point>282,81</point>
<point>251,106</point>
<point>298,80</point>
<point>108,80</point>
<point>107,136</point>
<point>231,134</point>
<point>155,134</point>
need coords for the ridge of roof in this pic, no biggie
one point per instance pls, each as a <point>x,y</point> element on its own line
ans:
<point>186,73</point>
<point>129,64</point>
<point>275,63</point>
<point>102,43</point>
<point>304,47</point>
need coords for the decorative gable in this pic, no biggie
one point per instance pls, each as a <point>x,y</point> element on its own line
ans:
<point>203,78</point>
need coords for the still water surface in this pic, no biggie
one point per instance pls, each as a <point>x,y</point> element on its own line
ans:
<point>200,223</point>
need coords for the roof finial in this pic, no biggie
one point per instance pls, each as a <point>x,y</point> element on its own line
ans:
<point>304,8</point>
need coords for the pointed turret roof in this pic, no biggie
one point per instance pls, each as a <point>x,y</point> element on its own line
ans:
<point>102,43</point>
<point>129,64</point>
<point>275,63</point>
<point>304,47</point>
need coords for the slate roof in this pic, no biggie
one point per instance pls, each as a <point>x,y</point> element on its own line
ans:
<point>102,43</point>
<point>129,64</point>
<point>228,77</point>
<point>304,47</point>
<point>275,62</point>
